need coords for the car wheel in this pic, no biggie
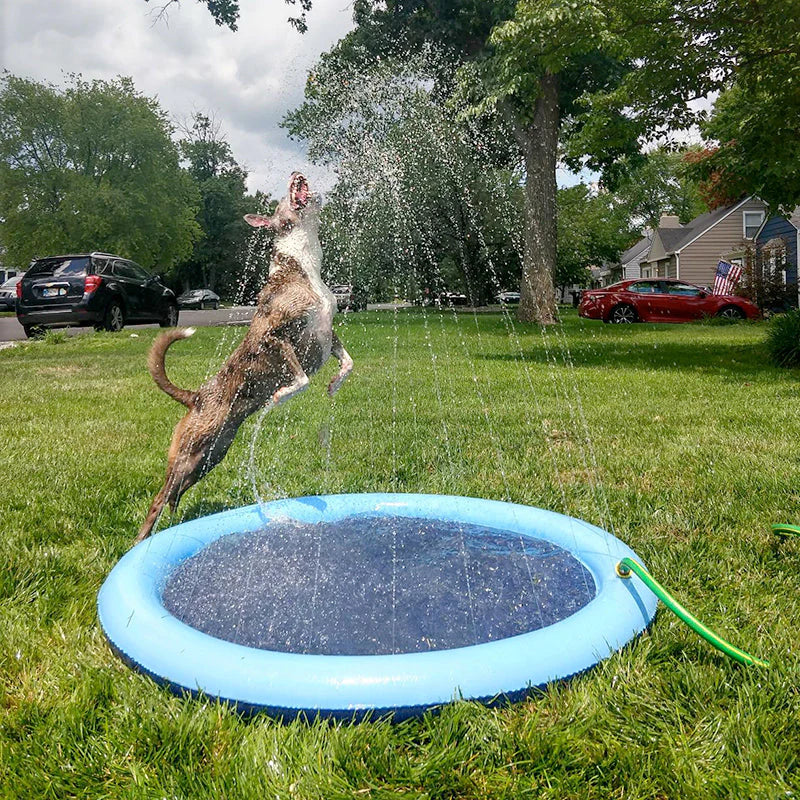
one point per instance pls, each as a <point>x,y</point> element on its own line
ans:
<point>731,312</point>
<point>33,331</point>
<point>170,319</point>
<point>114,319</point>
<point>622,314</point>
<point>215,306</point>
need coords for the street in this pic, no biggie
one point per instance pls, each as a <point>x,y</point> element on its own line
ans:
<point>11,330</point>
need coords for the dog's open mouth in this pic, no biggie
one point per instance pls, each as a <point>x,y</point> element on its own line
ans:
<point>299,193</point>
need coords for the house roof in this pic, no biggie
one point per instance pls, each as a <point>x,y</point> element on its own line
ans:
<point>673,240</point>
<point>636,252</point>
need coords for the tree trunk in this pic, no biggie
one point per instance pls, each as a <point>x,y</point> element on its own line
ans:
<point>538,140</point>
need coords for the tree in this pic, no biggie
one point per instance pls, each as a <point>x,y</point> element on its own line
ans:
<point>215,259</point>
<point>226,12</point>
<point>657,183</point>
<point>418,206</point>
<point>747,51</point>
<point>757,148</point>
<point>592,229</point>
<point>91,167</point>
<point>532,108</point>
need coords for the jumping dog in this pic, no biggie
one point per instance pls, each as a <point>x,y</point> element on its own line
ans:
<point>289,339</point>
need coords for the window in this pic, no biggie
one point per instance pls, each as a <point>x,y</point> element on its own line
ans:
<point>644,287</point>
<point>59,267</point>
<point>684,289</point>
<point>752,222</point>
<point>140,272</point>
<point>124,269</point>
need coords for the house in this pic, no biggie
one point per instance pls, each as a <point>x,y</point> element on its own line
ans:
<point>606,274</point>
<point>632,258</point>
<point>691,252</point>
<point>779,242</point>
<point>626,268</point>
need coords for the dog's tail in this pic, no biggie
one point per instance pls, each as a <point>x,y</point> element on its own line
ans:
<point>155,363</point>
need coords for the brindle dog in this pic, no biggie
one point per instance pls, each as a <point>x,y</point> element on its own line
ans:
<point>289,339</point>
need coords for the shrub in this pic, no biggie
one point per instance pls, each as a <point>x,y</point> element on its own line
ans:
<point>783,339</point>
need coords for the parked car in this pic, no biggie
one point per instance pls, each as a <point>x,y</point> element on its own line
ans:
<point>508,298</point>
<point>347,299</point>
<point>6,273</point>
<point>661,300</point>
<point>449,299</point>
<point>199,298</point>
<point>8,294</point>
<point>98,289</point>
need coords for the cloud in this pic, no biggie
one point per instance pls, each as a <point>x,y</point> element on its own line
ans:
<point>247,80</point>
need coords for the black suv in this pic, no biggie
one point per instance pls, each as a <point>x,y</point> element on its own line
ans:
<point>97,289</point>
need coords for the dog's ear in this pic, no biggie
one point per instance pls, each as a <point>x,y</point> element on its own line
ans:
<point>258,221</point>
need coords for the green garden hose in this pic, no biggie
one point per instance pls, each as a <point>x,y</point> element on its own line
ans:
<point>629,565</point>
<point>786,530</point>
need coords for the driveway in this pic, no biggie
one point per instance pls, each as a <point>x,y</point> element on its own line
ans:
<point>11,330</point>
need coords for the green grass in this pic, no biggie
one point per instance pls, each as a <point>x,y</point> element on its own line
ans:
<point>682,438</point>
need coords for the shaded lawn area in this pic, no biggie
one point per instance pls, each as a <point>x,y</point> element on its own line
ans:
<point>681,438</point>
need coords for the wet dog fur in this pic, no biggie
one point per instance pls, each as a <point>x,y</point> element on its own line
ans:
<point>289,339</point>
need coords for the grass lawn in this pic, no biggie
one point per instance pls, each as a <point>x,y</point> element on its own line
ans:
<point>681,438</point>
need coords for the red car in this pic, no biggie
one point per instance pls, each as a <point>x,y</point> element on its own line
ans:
<point>661,300</point>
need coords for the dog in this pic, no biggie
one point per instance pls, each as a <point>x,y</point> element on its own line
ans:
<point>289,339</point>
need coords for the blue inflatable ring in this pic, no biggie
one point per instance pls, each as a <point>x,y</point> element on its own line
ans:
<point>147,636</point>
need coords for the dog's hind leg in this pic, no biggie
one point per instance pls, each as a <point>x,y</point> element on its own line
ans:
<point>345,365</point>
<point>171,493</point>
<point>299,381</point>
<point>156,509</point>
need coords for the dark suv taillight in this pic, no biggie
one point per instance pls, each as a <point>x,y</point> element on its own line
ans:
<point>91,283</point>
<point>19,289</point>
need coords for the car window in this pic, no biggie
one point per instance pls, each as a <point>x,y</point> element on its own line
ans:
<point>140,272</point>
<point>123,269</point>
<point>644,287</point>
<point>684,289</point>
<point>102,266</point>
<point>11,283</point>
<point>60,267</point>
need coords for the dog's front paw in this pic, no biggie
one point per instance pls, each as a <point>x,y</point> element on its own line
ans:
<point>286,392</point>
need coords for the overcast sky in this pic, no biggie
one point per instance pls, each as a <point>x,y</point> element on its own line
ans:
<point>248,80</point>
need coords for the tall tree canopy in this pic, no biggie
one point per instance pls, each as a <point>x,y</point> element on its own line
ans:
<point>533,98</point>
<point>226,12</point>
<point>91,167</point>
<point>418,207</point>
<point>656,183</point>
<point>215,259</point>
<point>754,128</point>
<point>592,229</point>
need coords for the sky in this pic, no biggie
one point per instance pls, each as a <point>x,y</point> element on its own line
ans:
<point>246,80</point>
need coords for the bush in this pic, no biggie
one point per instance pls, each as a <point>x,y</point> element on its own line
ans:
<point>783,339</point>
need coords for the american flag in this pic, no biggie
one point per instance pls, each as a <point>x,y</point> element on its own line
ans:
<point>726,277</point>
